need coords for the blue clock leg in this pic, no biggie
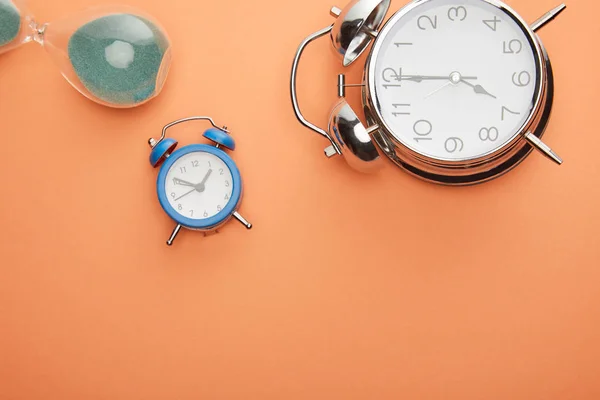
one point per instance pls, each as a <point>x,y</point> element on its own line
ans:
<point>242,220</point>
<point>174,235</point>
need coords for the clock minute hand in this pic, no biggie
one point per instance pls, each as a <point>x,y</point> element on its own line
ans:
<point>201,187</point>
<point>421,78</point>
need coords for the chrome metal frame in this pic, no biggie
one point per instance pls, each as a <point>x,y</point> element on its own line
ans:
<point>333,149</point>
<point>163,135</point>
<point>434,169</point>
<point>465,171</point>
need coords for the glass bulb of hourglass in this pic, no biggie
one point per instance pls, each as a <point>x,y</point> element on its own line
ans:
<point>114,55</point>
<point>14,24</point>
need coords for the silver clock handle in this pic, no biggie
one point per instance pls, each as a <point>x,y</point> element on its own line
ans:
<point>294,94</point>
<point>153,142</point>
<point>181,121</point>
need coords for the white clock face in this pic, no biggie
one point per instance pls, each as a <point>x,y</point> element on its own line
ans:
<point>199,185</point>
<point>454,79</point>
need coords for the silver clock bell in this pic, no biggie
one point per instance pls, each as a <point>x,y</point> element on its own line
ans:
<point>455,93</point>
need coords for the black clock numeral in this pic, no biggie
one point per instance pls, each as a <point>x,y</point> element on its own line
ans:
<point>392,77</point>
<point>422,128</point>
<point>425,20</point>
<point>402,107</point>
<point>521,79</point>
<point>514,46</point>
<point>506,110</point>
<point>489,134</point>
<point>457,13</point>
<point>454,145</point>
<point>492,23</point>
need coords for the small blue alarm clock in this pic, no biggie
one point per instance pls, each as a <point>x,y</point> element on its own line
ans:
<point>199,186</point>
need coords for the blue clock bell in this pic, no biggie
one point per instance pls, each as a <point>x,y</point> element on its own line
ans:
<point>199,186</point>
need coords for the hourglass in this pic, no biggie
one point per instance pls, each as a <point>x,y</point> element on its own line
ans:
<point>114,55</point>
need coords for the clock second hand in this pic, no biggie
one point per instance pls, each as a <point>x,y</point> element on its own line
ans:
<point>456,78</point>
<point>477,88</point>
<point>439,89</point>
<point>181,197</point>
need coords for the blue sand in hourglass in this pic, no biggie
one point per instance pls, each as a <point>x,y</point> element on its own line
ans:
<point>10,22</point>
<point>118,58</point>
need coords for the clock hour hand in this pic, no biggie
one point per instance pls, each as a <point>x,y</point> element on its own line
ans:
<point>181,182</point>
<point>478,89</point>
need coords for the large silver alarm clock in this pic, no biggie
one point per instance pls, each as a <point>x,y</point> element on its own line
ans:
<point>455,92</point>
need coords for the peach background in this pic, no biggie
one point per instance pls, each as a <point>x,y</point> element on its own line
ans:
<point>349,287</point>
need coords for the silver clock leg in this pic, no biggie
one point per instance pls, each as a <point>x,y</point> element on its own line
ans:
<point>549,16</point>
<point>242,220</point>
<point>543,148</point>
<point>174,235</point>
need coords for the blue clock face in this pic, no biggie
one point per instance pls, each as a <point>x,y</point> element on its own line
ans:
<point>199,186</point>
